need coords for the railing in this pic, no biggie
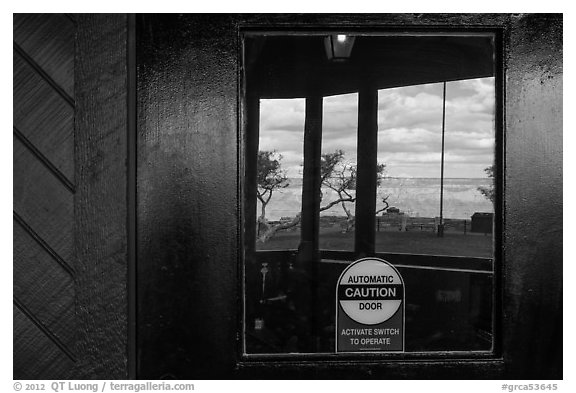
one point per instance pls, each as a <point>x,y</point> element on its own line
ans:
<point>399,222</point>
<point>443,262</point>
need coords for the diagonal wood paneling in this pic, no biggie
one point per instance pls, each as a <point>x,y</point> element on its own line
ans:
<point>35,355</point>
<point>49,40</point>
<point>43,286</point>
<point>43,202</point>
<point>43,191</point>
<point>43,117</point>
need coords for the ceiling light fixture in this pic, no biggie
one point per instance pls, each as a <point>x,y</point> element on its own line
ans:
<point>338,47</point>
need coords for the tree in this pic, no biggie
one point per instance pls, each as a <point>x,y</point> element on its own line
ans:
<point>270,178</point>
<point>384,200</point>
<point>339,175</point>
<point>489,191</point>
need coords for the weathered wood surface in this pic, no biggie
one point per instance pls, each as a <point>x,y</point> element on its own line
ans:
<point>187,202</point>
<point>43,286</point>
<point>35,355</point>
<point>43,175</point>
<point>533,235</point>
<point>49,40</point>
<point>43,116</point>
<point>43,202</point>
<point>100,199</point>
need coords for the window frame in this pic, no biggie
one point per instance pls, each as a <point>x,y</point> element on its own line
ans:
<point>250,360</point>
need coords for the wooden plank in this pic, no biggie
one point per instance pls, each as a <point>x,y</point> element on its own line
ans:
<point>187,196</point>
<point>43,202</point>
<point>131,175</point>
<point>533,266</point>
<point>43,117</point>
<point>101,196</point>
<point>43,286</point>
<point>328,367</point>
<point>49,40</point>
<point>35,355</point>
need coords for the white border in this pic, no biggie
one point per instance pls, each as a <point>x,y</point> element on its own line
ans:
<point>403,306</point>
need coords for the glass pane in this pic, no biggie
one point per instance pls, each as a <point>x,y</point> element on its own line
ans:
<point>279,195</point>
<point>339,142</point>
<point>410,143</point>
<point>432,222</point>
<point>468,169</point>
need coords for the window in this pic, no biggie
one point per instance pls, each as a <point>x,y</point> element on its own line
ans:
<point>385,149</point>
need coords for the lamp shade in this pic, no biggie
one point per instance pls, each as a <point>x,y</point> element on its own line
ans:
<point>338,46</point>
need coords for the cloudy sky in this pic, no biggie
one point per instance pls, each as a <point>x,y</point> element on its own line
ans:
<point>409,129</point>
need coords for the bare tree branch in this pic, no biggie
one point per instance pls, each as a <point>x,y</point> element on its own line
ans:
<point>385,201</point>
<point>337,175</point>
<point>336,202</point>
<point>271,230</point>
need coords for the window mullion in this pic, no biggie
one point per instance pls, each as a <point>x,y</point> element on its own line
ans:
<point>366,182</point>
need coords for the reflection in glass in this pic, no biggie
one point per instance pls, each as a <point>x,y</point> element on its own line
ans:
<point>279,175</point>
<point>410,142</point>
<point>338,172</point>
<point>318,133</point>
<point>469,164</point>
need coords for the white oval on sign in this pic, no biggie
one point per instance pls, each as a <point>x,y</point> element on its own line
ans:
<point>369,272</point>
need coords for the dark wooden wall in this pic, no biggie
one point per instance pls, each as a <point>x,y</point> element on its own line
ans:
<point>70,196</point>
<point>44,187</point>
<point>187,179</point>
<point>190,155</point>
<point>533,236</point>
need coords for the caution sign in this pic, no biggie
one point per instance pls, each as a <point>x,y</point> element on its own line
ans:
<point>370,308</point>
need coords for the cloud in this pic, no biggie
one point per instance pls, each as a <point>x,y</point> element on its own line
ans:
<point>340,118</point>
<point>282,114</point>
<point>409,123</point>
<point>348,144</point>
